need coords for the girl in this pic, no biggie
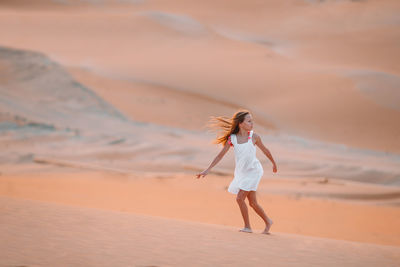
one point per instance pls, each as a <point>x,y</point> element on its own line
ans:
<point>237,132</point>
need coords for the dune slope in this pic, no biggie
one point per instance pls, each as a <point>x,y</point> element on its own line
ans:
<point>90,237</point>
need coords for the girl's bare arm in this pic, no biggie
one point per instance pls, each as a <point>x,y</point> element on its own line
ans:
<point>265,150</point>
<point>220,155</point>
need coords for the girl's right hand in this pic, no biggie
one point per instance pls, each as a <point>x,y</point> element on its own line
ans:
<point>203,173</point>
<point>274,168</point>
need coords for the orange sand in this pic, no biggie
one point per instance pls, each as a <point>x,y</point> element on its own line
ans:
<point>275,58</point>
<point>78,236</point>
<point>321,70</point>
<point>184,197</point>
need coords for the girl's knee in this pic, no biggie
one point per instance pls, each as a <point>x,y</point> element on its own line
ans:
<point>240,199</point>
<point>253,204</point>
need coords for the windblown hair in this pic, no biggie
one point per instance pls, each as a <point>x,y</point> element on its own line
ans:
<point>227,126</point>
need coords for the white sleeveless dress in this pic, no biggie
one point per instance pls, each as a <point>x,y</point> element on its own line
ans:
<point>248,169</point>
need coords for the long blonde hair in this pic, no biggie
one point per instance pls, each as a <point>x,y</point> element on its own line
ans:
<point>227,126</point>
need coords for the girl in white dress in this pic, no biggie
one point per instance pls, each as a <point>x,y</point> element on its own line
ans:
<point>238,132</point>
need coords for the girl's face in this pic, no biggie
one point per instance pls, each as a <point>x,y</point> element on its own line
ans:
<point>247,124</point>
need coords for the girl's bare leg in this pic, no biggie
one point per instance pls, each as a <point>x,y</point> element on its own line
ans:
<point>240,198</point>
<point>259,210</point>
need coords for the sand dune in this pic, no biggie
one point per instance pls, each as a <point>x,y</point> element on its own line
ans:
<point>39,90</point>
<point>146,102</point>
<point>91,237</point>
<point>117,130</point>
<point>305,206</point>
<point>280,58</point>
<point>103,105</point>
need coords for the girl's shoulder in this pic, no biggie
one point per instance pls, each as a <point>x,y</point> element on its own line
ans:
<point>256,136</point>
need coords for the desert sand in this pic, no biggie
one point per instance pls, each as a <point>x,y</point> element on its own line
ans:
<point>354,211</point>
<point>80,236</point>
<point>103,113</point>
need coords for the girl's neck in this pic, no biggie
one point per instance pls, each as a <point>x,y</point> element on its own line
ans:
<point>243,132</point>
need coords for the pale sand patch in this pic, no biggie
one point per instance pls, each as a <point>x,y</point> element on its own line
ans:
<point>382,88</point>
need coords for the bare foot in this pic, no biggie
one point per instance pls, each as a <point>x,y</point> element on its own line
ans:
<point>246,230</point>
<point>268,226</point>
